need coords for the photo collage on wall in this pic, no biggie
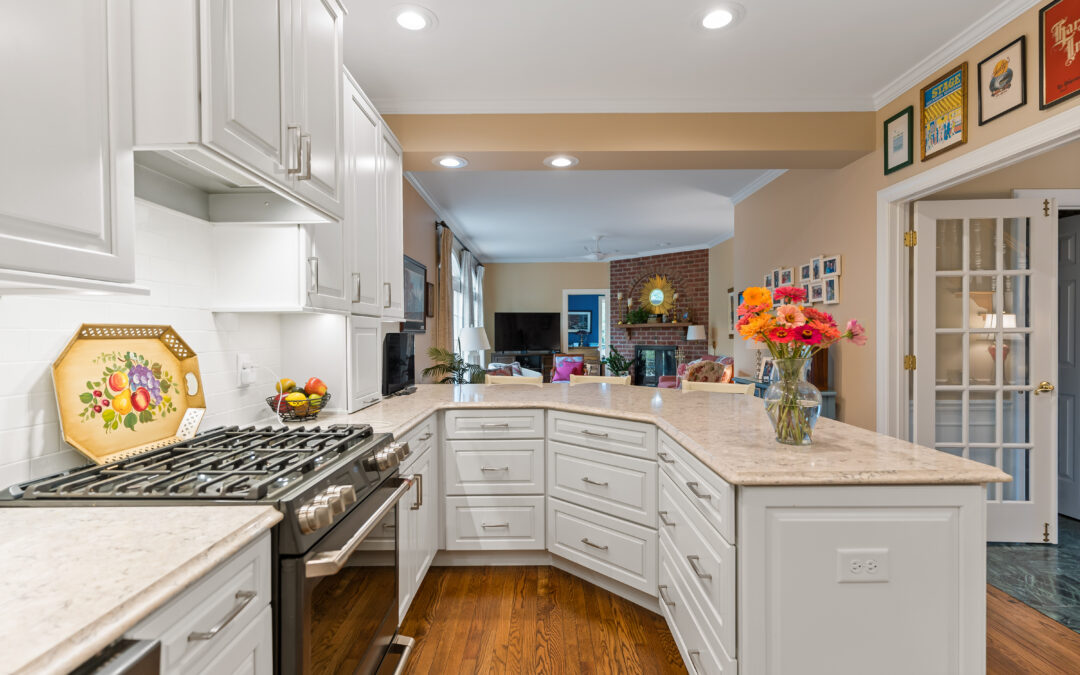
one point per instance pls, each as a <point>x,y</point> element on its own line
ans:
<point>819,278</point>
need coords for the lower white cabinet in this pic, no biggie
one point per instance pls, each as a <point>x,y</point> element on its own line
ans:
<point>495,467</point>
<point>610,483</point>
<point>702,655</point>
<point>221,624</point>
<point>495,523</point>
<point>418,525</point>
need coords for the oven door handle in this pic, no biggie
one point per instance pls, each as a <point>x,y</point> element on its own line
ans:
<point>332,562</point>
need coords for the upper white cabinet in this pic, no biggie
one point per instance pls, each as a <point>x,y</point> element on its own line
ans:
<point>362,221</point>
<point>392,227</point>
<point>364,362</point>
<point>67,190</point>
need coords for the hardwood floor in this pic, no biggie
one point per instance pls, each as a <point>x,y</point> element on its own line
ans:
<point>542,620</point>
<point>531,620</point>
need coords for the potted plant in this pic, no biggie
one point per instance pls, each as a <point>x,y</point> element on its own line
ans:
<point>617,364</point>
<point>451,368</point>
<point>638,315</point>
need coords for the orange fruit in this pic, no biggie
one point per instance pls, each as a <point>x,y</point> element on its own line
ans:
<point>122,402</point>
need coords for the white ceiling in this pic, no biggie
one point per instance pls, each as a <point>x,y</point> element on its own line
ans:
<point>648,55</point>
<point>532,216</point>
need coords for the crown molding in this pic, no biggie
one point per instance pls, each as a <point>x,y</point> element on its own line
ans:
<point>399,106</point>
<point>446,217</point>
<point>952,50</point>
<point>761,181</point>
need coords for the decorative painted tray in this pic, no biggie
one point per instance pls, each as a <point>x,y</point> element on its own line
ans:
<point>124,390</point>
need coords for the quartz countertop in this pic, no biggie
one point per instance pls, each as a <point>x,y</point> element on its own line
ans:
<point>73,580</point>
<point>729,433</point>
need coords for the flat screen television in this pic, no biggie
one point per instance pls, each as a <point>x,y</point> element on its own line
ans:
<point>527,331</point>
<point>399,363</point>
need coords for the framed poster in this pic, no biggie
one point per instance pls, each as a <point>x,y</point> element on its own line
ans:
<point>1003,81</point>
<point>943,112</point>
<point>579,321</point>
<point>899,152</point>
<point>1059,43</point>
<point>415,297</point>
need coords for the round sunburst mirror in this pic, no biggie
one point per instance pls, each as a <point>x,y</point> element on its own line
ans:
<point>657,295</point>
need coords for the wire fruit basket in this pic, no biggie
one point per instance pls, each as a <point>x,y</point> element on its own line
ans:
<point>297,411</point>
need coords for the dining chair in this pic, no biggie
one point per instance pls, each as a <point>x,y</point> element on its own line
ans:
<point>719,387</point>
<point>595,379</point>
<point>514,379</point>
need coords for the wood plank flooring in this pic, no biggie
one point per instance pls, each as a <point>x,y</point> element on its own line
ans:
<point>542,620</point>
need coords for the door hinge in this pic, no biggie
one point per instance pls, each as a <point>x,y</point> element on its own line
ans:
<point>1046,533</point>
<point>1046,207</point>
<point>909,362</point>
<point>911,238</point>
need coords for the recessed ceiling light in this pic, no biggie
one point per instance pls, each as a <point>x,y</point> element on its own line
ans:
<point>561,161</point>
<point>721,16</point>
<point>450,161</point>
<point>412,17</point>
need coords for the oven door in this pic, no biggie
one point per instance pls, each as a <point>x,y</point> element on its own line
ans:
<point>339,602</point>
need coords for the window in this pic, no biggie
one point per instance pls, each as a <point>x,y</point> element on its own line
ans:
<point>459,296</point>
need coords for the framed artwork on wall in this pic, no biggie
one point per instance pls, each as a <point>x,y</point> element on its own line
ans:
<point>1003,81</point>
<point>776,278</point>
<point>815,269</point>
<point>733,311</point>
<point>579,321</point>
<point>806,289</point>
<point>804,273</point>
<point>817,292</point>
<point>943,117</point>
<point>830,266</point>
<point>787,277</point>
<point>768,281</point>
<point>832,290</point>
<point>899,152</point>
<point>1059,69</point>
<point>415,297</point>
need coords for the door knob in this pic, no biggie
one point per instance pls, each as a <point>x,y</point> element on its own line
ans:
<point>1044,388</point>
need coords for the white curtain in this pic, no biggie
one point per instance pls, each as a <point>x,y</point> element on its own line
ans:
<point>468,273</point>
<point>478,303</point>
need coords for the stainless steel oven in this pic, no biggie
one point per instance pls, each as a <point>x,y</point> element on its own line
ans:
<point>339,601</point>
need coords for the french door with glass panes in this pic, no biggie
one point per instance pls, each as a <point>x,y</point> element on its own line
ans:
<point>985,332</point>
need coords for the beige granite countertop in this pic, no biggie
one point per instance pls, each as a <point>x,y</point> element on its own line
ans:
<point>729,433</point>
<point>72,580</point>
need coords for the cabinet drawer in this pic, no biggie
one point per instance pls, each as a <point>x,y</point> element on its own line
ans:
<point>714,496</point>
<point>474,424</point>
<point>494,523</point>
<point>623,551</point>
<point>494,467</point>
<point>206,605</point>
<point>611,483</point>
<point>702,656</point>
<point>706,561</point>
<point>422,437</point>
<point>636,439</point>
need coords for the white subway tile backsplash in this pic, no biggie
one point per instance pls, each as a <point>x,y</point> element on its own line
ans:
<point>171,260</point>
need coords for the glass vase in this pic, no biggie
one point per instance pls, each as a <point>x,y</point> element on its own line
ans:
<point>793,404</point>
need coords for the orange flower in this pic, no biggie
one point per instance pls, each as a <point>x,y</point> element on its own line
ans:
<point>757,326</point>
<point>755,295</point>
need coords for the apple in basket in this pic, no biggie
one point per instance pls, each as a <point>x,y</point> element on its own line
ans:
<point>279,404</point>
<point>315,387</point>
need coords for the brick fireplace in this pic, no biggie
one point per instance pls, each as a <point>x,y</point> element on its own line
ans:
<point>688,272</point>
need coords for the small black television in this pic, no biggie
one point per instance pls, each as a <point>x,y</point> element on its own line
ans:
<point>399,363</point>
<point>527,331</point>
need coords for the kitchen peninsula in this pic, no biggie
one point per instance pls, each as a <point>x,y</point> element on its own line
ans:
<point>861,553</point>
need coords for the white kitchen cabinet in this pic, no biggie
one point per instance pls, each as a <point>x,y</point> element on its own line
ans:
<point>327,275</point>
<point>364,362</point>
<point>361,192</point>
<point>419,525</point>
<point>392,227</point>
<point>68,188</point>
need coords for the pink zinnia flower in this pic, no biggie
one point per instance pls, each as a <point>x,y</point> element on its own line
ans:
<point>790,316</point>
<point>818,315</point>
<point>856,333</point>
<point>790,294</point>
<point>781,334</point>
<point>746,308</point>
<point>808,335</point>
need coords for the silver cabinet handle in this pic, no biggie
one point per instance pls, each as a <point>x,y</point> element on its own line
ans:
<point>386,284</point>
<point>588,480</point>
<point>665,458</point>
<point>419,493</point>
<point>596,434</point>
<point>695,660</point>
<point>244,599</point>
<point>585,540</point>
<point>662,589</point>
<point>293,152</point>
<point>664,519</point>
<point>500,425</point>
<point>697,493</point>
<point>486,525</point>
<point>494,468</point>
<point>696,566</point>
<point>313,274</point>
<point>356,286</point>
<point>425,437</point>
<point>305,158</point>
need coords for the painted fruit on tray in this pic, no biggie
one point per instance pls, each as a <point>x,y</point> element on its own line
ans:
<point>132,390</point>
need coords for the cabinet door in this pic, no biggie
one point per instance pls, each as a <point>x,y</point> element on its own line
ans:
<point>391,224</point>
<point>316,59</point>
<point>327,281</point>
<point>430,515</point>
<point>365,357</point>
<point>244,95</point>
<point>67,188</point>
<point>362,202</point>
<point>250,653</point>
<point>415,535</point>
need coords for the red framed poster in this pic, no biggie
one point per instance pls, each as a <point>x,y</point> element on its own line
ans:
<point>1059,52</point>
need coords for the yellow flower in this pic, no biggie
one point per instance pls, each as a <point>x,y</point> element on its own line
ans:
<point>756,295</point>
<point>757,325</point>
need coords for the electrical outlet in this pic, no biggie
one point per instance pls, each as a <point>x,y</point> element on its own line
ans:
<point>862,565</point>
<point>246,370</point>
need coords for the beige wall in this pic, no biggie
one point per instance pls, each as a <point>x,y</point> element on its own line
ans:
<point>721,278</point>
<point>420,246</point>
<point>1055,170</point>
<point>535,287</point>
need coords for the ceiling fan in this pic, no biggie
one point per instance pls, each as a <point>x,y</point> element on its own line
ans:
<point>595,253</point>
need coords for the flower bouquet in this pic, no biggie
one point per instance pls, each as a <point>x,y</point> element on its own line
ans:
<point>793,333</point>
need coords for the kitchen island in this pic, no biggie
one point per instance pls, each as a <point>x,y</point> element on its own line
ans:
<point>861,553</point>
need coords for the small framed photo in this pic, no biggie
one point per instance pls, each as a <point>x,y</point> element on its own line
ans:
<point>832,290</point>
<point>804,273</point>
<point>787,277</point>
<point>943,120</point>
<point>733,312</point>
<point>830,266</point>
<point>1003,81</point>
<point>817,292</point>
<point>766,369</point>
<point>899,151</point>
<point>776,278</point>
<point>806,289</point>
<point>768,281</point>
<point>815,269</point>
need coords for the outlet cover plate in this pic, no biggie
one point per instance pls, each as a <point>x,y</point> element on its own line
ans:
<point>862,565</point>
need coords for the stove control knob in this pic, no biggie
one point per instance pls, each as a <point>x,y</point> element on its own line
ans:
<point>332,500</point>
<point>314,516</point>
<point>346,493</point>
<point>401,450</point>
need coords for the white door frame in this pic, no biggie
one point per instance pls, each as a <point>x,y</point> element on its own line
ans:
<point>892,260</point>
<point>567,292</point>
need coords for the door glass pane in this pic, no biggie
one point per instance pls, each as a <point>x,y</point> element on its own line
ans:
<point>982,417</point>
<point>1017,463</point>
<point>986,456</point>
<point>983,244</point>
<point>1016,243</point>
<point>950,302</point>
<point>1014,354</point>
<point>1014,417</point>
<point>950,244</point>
<point>950,358</point>
<point>1015,292</point>
<point>983,349</point>
<point>983,300</point>
<point>959,452</point>
<point>948,420</point>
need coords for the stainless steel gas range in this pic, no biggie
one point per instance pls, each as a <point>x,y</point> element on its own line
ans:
<point>335,574</point>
